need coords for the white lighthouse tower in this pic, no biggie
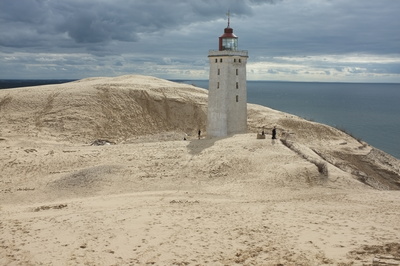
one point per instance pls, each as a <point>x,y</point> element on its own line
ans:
<point>227,92</point>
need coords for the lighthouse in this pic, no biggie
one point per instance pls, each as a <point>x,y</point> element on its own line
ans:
<point>227,92</point>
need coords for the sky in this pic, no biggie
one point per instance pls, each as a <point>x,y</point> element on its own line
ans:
<point>288,40</point>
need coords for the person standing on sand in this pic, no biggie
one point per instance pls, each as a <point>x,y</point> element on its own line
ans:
<point>199,133</point>
<point>274,133</point>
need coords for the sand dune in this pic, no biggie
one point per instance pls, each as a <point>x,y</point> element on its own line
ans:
<point>316,196</point>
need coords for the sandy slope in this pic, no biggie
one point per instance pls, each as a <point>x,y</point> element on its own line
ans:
<point>318,197</point>
<point>116,108</point>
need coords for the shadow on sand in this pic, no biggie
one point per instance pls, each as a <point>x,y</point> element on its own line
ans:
<point>197,146</point>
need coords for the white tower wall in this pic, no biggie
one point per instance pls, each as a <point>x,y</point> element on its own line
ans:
<point>227,95</point>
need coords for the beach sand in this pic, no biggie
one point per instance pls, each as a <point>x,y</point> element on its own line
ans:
<point>315,196</point>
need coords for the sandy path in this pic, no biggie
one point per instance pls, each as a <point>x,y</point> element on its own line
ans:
<point>227,201</point>
<point>320,226</point>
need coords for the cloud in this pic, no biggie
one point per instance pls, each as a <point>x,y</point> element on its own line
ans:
<point>171,37</point>
<point>96,21</point>
<point>91,22</point>
<point>260,2</point>
<point>351,67</point>
<point>312,27</point>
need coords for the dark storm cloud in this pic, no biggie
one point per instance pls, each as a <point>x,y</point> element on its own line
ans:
<point>30,23</point>
<point>143,35</point>
<point>285,27</point>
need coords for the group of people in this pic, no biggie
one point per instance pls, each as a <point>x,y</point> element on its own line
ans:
<point>273,133</point>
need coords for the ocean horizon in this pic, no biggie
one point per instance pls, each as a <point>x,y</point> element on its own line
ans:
<point>368,111</point>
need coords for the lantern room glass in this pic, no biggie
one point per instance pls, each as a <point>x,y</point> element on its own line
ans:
<point>229,44</point>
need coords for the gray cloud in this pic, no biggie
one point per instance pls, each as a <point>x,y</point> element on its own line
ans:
<point>92,22</point>
<point>331,27</point>
<point>175,35</point>
<point>260,2</point>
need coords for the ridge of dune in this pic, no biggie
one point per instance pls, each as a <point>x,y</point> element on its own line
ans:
<point>134,107</point>
<point>116,108</point>
<point>316,196</point>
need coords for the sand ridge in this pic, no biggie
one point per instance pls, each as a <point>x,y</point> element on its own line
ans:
<point>153,198</point>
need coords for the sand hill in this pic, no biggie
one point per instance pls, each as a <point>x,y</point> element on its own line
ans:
<point>316,196</point>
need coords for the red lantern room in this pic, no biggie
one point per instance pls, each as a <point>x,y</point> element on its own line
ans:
<point>228,40</point>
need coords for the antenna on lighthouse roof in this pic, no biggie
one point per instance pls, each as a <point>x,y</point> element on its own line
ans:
<point>229,16</point>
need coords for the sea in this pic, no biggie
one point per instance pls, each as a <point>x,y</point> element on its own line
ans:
<point>368,111</point>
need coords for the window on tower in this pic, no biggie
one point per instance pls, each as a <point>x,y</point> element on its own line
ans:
<point>216,60</point>
<point>237,71</point>
<point>237,98</point>
<point>237,85</point>
<point>219,71</point>
<point>220,60</point>
<point>217,85</point>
